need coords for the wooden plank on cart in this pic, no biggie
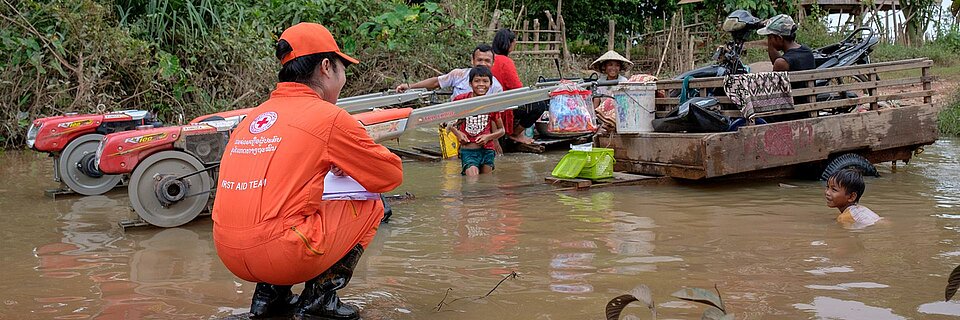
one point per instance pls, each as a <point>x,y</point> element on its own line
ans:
<point>816,139</point>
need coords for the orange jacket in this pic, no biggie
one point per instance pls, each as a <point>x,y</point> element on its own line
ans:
<point>274,165</point>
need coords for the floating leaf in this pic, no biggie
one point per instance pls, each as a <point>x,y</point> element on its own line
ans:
<point>953,283</point>
<point>700,295</point>
<point>616,305</point>
<point>641,293</point>
<point>728,316</point>
<point>712,313</point>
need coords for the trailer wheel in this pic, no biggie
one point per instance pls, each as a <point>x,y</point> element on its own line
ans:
<point>849,160</point>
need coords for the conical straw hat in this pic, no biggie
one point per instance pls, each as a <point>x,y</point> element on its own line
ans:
<point>610,55</point>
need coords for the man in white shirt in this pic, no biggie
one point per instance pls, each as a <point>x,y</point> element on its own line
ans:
<point>459,79</point>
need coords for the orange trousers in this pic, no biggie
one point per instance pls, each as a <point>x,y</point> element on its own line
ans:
<point>299,248</point>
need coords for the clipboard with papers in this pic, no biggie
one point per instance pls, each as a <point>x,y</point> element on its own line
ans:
<point>345,188</point>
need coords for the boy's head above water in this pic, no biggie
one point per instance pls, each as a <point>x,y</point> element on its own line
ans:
<point>844,188</point>
<point>480,80</point>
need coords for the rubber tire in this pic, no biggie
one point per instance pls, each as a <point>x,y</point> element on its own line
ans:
<point>73,178</point>
<point>143,200</point>
<point>849,160</point>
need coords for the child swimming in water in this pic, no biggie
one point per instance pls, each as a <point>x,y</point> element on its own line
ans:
<point>844,189</point>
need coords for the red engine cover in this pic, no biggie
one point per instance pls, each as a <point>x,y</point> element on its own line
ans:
<point>56,132</point>
<point>120,152</point>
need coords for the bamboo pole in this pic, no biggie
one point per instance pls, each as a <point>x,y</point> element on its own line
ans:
<point>665,47</point>
<point>493,23</point>
<point>612,32</point>
<point>536,34</point>
<point>563,36</point>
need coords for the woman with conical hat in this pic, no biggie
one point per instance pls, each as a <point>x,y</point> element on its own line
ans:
<point>609,65</point>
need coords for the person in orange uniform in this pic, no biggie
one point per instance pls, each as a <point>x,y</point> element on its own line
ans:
<point>271,225</point>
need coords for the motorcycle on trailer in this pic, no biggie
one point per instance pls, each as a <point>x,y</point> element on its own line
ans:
<point>740,24</point>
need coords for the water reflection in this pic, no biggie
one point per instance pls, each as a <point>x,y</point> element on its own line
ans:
<point>947,308</point>
<point>832,308</point>
<point>774,252</point>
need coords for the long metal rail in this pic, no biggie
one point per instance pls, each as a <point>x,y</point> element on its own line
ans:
<point>443,112</point>
<point>367,102</point>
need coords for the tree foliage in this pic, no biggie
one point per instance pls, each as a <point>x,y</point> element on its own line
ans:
<point>190,57</point>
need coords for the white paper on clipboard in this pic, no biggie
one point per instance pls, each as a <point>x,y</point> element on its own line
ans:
<point>345,188</point>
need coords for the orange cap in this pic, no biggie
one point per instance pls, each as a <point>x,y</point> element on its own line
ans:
<point>308,38</point>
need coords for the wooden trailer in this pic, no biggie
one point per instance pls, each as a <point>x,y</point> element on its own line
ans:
<point>897,118</point>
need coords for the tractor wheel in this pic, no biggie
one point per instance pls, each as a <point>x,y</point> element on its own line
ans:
<point>161,199</point>
<point>76,167</point>
<point>849,160</point>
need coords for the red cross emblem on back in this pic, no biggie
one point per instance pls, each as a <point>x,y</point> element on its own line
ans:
<point>263,122</point>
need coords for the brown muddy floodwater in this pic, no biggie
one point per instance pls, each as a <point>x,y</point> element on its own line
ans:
<point>774,251</point>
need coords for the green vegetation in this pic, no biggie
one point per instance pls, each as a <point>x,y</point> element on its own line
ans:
<point>949,121</point>
<point>192,57</point>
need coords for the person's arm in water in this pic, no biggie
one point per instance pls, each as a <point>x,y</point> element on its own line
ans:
<point>358,156</point>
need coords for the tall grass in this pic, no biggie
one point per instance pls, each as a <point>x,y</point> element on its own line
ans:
<point>949,120</point>
<point>193,57</point>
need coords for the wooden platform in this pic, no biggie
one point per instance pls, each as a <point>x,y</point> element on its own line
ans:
<point>877,133</point>
<point>619,179</point>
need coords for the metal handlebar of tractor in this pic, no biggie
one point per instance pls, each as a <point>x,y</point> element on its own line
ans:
<point>173,170</point>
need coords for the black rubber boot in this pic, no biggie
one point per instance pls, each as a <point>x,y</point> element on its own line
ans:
<point>387,210</point>
<point>272,301</point>
<point>319,299</point>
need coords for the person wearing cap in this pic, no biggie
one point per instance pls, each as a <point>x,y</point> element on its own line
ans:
<point>781,34</point>
<point>459,79</point>
<point>270,223</point>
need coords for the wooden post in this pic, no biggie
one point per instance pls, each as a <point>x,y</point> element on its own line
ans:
<point>612,24</point>
<point>552,26</point>
<point>493,23</point>
<point>536,34</point>
<point>563,38</point>
<point>896,25</point>
<point>873,90</point>
<point>924,74</point>
<point>691,60</point>
<point>665,47</point>
<point>526,32</point>
<point>839,20</point>
<point>629,46</point>
<point>812,98</point>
